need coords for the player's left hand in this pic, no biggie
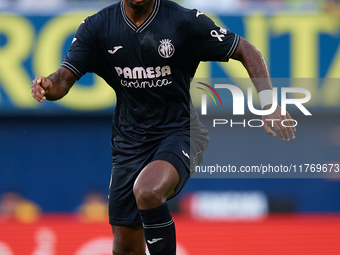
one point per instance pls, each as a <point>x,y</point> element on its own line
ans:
<point>275,120</point>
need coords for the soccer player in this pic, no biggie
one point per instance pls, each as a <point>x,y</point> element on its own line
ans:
<point>148,51</point>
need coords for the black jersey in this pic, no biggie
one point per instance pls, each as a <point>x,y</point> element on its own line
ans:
<point>149,67</point>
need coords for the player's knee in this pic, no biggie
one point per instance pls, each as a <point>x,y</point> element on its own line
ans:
<point>147,197</point>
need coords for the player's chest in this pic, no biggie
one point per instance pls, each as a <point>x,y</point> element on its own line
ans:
<point>150,48</point>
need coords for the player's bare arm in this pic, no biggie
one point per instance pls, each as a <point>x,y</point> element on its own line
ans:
<point>257,69</point>
<point>53,87</point>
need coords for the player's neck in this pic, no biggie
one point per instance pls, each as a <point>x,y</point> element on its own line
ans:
<point>138,14</point>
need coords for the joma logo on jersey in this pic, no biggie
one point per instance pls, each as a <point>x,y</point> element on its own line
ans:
<point>143,73</point>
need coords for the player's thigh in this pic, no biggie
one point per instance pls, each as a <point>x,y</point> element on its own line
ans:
<point>155,184</point>
<point>128,240</point>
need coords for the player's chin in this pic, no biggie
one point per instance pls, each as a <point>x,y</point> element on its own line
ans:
<point>138,4</point>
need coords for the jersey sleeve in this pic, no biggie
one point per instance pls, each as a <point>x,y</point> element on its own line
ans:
<point>81,57</point>
<point>210,42</point>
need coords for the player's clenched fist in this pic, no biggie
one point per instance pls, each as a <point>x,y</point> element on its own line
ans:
<point>40,87</point>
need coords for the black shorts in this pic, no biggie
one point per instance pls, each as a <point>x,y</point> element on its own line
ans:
<point>174,149</point>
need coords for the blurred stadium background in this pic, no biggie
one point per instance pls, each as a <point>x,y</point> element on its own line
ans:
<point>55,157</point>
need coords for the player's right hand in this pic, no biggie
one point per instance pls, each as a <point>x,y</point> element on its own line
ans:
<point>40,87</point>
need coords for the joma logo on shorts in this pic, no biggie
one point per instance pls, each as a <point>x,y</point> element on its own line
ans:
<point>143,73</point>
